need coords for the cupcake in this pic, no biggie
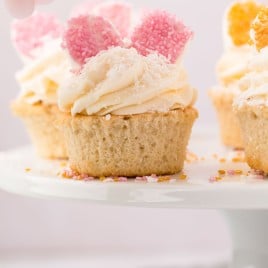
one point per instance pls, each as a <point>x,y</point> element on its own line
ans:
<point>232,67</point>
<point>128,110</point>
<point>251,107</point>
<point>45,66</point>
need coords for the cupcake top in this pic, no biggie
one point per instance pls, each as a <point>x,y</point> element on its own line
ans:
<point>255,82</point>
<point>38,42</point>
<point>237,21</point>
<point>122,71</point>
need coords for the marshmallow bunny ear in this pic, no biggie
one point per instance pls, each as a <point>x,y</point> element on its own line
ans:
<point>29,34</point>
<point>87,35</point>
<point>163,33</point>
<point>118,14</point>
<point>259,29</point>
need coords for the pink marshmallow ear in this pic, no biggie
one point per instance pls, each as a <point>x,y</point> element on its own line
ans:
<point>87,35</point>
<point>118,14</point>
<point>163,33</point>
<point>30,33</point>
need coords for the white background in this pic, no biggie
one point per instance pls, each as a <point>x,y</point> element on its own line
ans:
<point>27,224</point>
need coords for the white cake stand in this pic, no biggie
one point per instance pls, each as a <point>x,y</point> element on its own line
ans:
<point>243,199</point>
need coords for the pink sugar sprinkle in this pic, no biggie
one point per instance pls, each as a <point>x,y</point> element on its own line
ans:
<point>84,176</point>
<point>119,14</point>
<point>212,179</point>
<point>230,172</point>
<point>257,172</point>
<point>122,179</point>
<point>87,35</point>
<point>89,179</point>
<point>29,34</point>
<point>163,33</point>
<point>141,179</point>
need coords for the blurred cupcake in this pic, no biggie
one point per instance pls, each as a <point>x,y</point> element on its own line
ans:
<point>251,107</point>
<point>128,112</point>
<point>232,67</point>
<point>38,42</point>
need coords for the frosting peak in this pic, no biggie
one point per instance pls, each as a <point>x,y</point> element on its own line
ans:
<point>255,83</point>
<point>121,81</point>
<point>41,77</point>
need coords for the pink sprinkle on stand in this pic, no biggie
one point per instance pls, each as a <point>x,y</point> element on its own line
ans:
<point>122,179</point>
<point>231,172</point>
<point>163,33</point>
<point>212,179</point>
<point>118,14</point>
<point>87,35</point>
<point>29,34</point>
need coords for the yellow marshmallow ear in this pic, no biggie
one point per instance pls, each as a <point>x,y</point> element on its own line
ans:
<point>240,18</point>
<point>259,29</point>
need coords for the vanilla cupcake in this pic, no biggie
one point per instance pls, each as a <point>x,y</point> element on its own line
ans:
<point>129,110</point>
<point>46,65</point>
<point>232,66</point>
<point>251,107</point>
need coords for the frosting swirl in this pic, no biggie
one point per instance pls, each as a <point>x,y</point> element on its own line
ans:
<point>121,81</point>
<point>255,83</point>
<point>42,76</point>
<point>234,64</point>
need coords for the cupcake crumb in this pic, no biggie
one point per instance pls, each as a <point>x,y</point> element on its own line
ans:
<point>108,117</point>
<point>28,169</point>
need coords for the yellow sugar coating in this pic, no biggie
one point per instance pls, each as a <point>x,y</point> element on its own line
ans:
<point>240,17</point>
<point>260,29</point>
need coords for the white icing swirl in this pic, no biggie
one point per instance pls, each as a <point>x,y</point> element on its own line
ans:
<point>41,77</point>
<point>234,63</point>
<point>255,83</point>
<point>121,81</point>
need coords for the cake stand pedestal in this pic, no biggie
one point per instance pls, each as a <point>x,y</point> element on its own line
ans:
<point>250,238</point>
<point>243,200</point>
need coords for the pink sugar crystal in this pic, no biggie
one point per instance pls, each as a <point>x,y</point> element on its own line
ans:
<point>30,33</point>
<point>87,35</point>
<point>118,14</point>
<point>230,172</point>
<point>212,179</point>
<point>163,33</point>
<point>122,179</point>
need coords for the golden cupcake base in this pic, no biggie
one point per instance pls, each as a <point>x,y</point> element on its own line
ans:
<point>137,145</point>
<point>230,130</point>
<point>254,124</point>
<point>39,120</point>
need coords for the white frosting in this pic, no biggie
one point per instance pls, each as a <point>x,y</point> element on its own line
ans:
<point>42,76</point>
<point>255,83</point>
<point>121,81</point>
<point>234,63</point>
